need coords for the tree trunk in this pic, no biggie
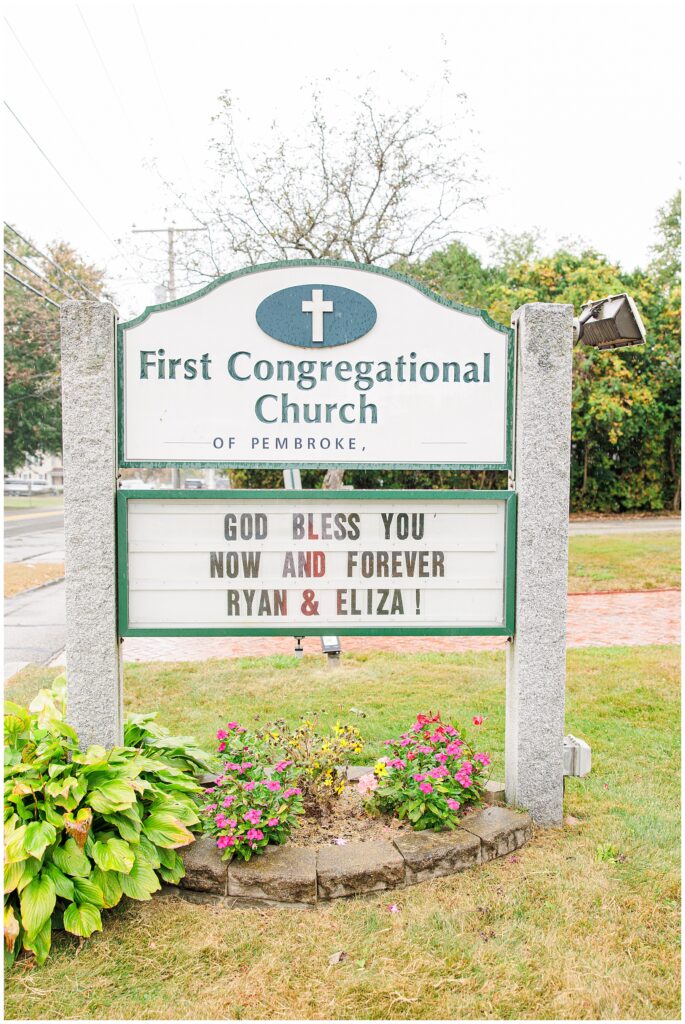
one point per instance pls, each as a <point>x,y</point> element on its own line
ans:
<point>333,480</point>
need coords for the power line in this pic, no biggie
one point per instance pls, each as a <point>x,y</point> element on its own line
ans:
<point>30,288</point>
<point>75,195</point>
<point>52,263</point>
<point>77,134</point>
<point>35,273</point>
<point>158,81</point>
<point>105,69</point>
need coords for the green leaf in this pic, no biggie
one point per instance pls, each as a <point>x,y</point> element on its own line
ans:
<point>141,881</point>
<point>82,919</point>
<point>64,886</point>
<point>86,891</point>
<point>164,829</point>
<point>127,824</point>
<point>71,860</point>
<point>40,942</point>
<point>13,873</point>
<point>113,855</point>
<point>149,852</point>
<point>173,873</point>
<point>14,848</point>
<point>39,835</point>
<point>109,885</point>
<point>108,797</point>
<point>37,903</point>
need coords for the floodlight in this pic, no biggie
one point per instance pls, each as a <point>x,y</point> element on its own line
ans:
<point>330,645</point>
<point>613,322</point>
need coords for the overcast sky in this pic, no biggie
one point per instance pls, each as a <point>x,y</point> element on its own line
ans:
<point>576,107</point>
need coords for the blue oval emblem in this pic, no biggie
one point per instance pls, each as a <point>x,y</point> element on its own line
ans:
<point>316,315</point>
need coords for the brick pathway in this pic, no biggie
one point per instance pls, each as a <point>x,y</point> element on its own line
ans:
<point>594,620</point>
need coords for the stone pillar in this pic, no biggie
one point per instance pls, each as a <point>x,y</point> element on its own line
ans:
<point>89,425</point>
<point>536,659</point>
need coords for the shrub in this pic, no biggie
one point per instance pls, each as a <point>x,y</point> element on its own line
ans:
<point>84,829</point>
<point>251,804</point>
<point>315,761</point>
<point>431,773</point>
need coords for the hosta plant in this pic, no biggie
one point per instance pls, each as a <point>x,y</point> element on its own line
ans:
<point>315,760</point>
<point>252,803</point>
<point>430,775</point>
<point>83,829</point>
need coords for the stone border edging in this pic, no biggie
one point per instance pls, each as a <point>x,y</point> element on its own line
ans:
<point>306,876</point>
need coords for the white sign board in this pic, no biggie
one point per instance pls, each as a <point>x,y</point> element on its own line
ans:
<point>315,364</point>
<point>248,562</point>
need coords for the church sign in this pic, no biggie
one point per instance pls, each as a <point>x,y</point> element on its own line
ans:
<point>314,562</point>
<point>315,364</point>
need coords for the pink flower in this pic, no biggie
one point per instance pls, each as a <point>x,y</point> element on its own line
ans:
<point>249,786</point>
<point>293,791</point>
<point>419,777</point>
<point>224,841</point>
<point>233,725</point>
<point>426,787</point>
<point>282,765</point>
<point>245,766</point>
<point>367,784</point>
<point>221,748</point>
<point>227,801</point>
<point>221,821</point>
<point>272,822</point>
<point>438,773</point>
<point>255,834</point>
<point>464,779</point>
<point>411,755</point>
<point>397,762</point>
<point>441,757</point>
<point>253,816</point>
<point>393,908</point>
<point>272,785</point>
<point>209,808</point>
<point>231,766</point>
<point>453,805</point>
<point>478,719</point>
<point>404,742</point>
<point>416,726</point>
<point>221,734</point>
<point>340,842</point>
<point>466,766</point>
<point>423,749</point>
<point>454,748</point>
<point>483,758</point>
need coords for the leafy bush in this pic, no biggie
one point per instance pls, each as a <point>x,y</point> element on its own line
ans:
<point>251,804</point>
<point>315,761</point>
<point>430,774</point>
<point>84,829</point>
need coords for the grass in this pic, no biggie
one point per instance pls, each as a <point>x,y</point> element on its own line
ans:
<point>19,576</point>
<point>626,561</point>
<point>582,923</point>
<point>35,501</point>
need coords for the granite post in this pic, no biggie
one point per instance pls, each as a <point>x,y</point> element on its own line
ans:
<point>536,659</point>
<point>89,428</point>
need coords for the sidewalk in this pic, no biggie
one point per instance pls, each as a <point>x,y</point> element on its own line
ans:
<point>594,620</point>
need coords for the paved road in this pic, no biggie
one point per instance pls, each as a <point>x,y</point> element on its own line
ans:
<point>35,536</point>
<point>35,626</point>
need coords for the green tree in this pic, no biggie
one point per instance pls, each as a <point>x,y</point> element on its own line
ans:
<point>33,411</point>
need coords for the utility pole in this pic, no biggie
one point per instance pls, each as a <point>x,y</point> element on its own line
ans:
<point>170,288</point>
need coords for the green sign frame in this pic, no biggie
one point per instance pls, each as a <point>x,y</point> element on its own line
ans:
<point>509,497</point>
<point>327,463</point>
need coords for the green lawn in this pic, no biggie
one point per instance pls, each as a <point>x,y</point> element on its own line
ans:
<point>624,561</point>
<point>35,501</point>
<point>584,922</point>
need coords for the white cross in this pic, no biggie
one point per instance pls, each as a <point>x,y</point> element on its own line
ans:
<point>317,307</point>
